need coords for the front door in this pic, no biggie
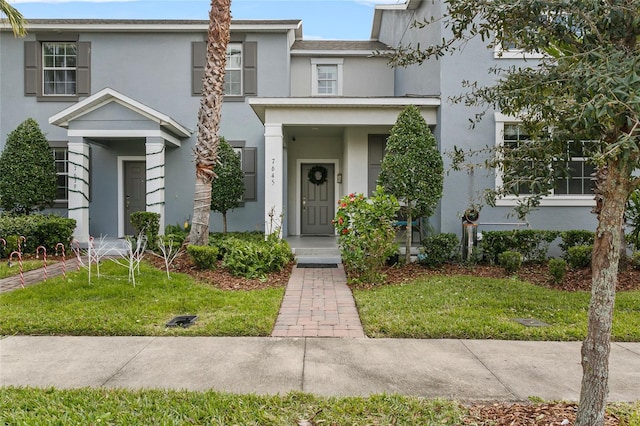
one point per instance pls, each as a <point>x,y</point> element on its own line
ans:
<point>317,199</point>
<point>135,192</point>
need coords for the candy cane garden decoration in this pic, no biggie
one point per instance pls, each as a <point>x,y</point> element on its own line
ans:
<point>19,255</point>
<point>64,263</point>
<point>43,249</point>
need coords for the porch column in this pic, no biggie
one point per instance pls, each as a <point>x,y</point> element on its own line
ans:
<point>274,177</point>
<point>78,198</point>
<point>155,149</point>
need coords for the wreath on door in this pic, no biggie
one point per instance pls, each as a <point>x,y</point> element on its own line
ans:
<point>317,175</point>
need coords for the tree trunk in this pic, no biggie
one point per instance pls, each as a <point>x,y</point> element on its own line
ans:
<point>206,149</point>
<point>613,188</point>
<point>224,222</point>
<point>409,230</point>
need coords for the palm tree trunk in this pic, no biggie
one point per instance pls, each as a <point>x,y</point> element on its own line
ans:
<point>613,189</point>
<point>206,149</point>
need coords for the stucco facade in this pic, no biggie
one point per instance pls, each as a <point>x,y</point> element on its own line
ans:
<point>128,125</point>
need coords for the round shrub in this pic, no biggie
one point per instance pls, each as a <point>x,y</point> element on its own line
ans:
<point>557,269</point>
<point>438,249</point>
<point>579,256</point>
<point>511,261</point>
<point>205,257</point>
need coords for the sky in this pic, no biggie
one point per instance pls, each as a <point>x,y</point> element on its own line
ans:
<point>321,19</point>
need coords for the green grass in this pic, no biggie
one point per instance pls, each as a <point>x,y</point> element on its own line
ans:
<point>112,306</point>
<point>31,406</point>
<point>9,271</point>
<point>480,308</point>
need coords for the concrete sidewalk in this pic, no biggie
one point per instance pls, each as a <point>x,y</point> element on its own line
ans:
<point>459,369</point>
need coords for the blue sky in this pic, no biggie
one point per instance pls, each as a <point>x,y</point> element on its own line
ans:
<point>321,19</point>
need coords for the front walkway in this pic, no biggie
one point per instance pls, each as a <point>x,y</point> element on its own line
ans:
<point>318,303</point>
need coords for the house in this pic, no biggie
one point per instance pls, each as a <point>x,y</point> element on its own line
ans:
<point>118,102</point>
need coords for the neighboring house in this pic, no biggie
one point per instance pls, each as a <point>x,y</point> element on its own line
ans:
<point>118,101</point>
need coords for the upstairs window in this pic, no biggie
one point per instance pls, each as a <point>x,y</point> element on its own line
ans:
<point>233,71</point>
<point>59,69</point>
<point>326,77</point>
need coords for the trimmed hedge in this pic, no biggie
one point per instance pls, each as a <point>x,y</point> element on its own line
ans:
<point>532,244</point>
<point>38,230</point>
<point>438,249</point>
<point>147,223</point>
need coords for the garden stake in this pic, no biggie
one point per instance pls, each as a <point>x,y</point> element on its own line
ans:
<point>44,257</point>
<point>64,264</point>
<point>19,263</point>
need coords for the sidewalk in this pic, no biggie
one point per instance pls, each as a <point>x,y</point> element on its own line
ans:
<point>467,370</point>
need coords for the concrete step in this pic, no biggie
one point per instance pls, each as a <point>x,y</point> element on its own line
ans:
<point>317,255</point>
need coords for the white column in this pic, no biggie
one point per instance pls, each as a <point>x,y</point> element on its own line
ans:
<point>78,203</point>
<point>155,149</point>
<point>274,176</point>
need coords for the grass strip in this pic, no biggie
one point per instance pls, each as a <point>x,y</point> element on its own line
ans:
<point>466,307</point>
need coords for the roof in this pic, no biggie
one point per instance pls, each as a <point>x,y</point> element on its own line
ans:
<point>338,47</point>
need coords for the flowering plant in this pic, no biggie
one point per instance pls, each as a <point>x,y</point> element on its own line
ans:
<point>366,234</point>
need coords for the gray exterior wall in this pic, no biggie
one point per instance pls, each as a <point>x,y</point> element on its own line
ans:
<point>362,76</point>
<point>155,70</point>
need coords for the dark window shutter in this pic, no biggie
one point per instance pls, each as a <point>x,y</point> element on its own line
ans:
<point>31,59</point>
<point>198,59</point>
<point>249,166</point>
<point>250,65</point>
<point>83,69</point>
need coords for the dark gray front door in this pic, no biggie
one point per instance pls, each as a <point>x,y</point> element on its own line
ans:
<point>135,191</point>
<point>317,201</point>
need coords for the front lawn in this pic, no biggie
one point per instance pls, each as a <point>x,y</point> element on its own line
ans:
<point>110,305</point>
<point>467,307</point>
<point>10,269</point>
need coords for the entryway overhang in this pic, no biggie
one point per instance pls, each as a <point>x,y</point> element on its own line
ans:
<point>278,114</point>
<point>109,115</point>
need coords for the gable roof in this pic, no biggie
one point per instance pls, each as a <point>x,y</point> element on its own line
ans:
<point>108,95</point>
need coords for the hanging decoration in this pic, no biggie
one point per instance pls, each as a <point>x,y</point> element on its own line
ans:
<point>317,175</point>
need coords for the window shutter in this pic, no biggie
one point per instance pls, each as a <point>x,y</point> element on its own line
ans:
<point>31,56</point>
<point>250,65</point>
<point>83,69</point>
<point>198,59</point>
<point>249,165</point>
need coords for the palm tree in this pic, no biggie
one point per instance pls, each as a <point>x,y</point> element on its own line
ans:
<point>206,150</point>
<point>15,18</point>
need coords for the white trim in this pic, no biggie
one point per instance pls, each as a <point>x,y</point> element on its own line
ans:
<point>298,200</point>
<point>167,26</point>
<point>338,62</point>
<point>337,52</point>
<point>125,134</point>
<point>121,160</point>
<point>500,53</point>
<point>108,95</point>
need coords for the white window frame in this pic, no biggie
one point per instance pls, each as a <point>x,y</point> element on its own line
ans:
<point>239,69</point>
<point>54,68</point>
<point>500,53</point>
<point>564,200</point>
<point>54,149</point>
<point>315,62</point>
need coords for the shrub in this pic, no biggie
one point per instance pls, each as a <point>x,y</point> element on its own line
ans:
<point>635,260</point>
<point>251,259</point>
<point>38,230</point>
<point>205,257</point>
<point>557,269</point>
<point>511,261</point>
<point>579,256</point>
<point>27,170</point>
<point>574,238</point>
<point>366,234</point>
<point>438,249</point>
<point>532,244</point>
<point>147,223</point>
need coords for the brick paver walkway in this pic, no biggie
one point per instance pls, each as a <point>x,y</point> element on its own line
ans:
<point>32,277</point>
<point>318,303</point>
